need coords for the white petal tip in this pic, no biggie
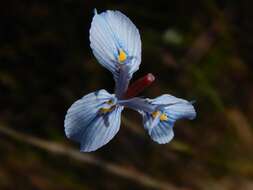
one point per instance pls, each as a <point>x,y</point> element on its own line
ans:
<point>95,11</point>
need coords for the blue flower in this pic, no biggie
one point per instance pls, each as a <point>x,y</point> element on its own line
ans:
<point>95,119</point>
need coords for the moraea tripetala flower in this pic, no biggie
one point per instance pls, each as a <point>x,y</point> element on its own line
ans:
<point>95,119</point>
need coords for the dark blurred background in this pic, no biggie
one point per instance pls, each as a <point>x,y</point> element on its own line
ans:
<point>199,50</point>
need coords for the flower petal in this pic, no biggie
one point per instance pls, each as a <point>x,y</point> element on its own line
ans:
<point>175,108</point>
<point>85,123</point>
<point>161,133</point>
<point>160,114</point>
<point>116,44</point>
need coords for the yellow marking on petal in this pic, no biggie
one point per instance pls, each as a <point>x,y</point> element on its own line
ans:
<point>122,56</point>
<point>110,102</point>
<point>162,117</point>
<point>106,110</point>
<point>155,114</point>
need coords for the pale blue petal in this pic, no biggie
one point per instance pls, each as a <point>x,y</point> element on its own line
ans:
<point>161,132</point>
<point>175,108</point>
<point>85,124</point>
<point>99,132</point>
<point>111,31</point>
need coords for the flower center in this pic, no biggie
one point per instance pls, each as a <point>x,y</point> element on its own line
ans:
<point>162,116</point>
